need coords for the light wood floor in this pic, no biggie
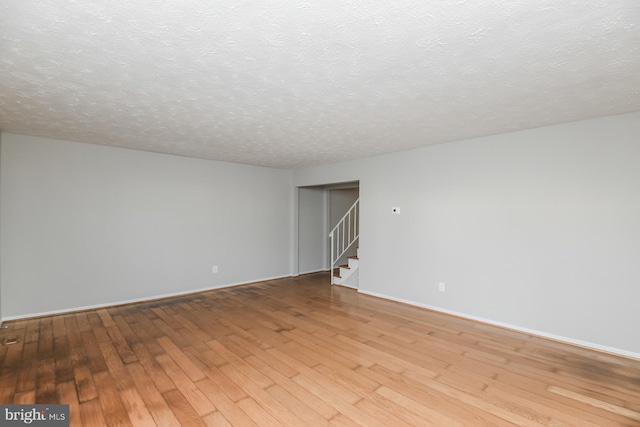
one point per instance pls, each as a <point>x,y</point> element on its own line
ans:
<point>300,352</point>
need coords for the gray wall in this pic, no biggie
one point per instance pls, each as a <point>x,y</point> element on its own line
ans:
<point>84,224</point>
<point>339,203</point>
<point>536,229</point>
<point>312,230</point>
<point>0,228</point>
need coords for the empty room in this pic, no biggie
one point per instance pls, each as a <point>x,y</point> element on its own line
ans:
<point>334,213</point>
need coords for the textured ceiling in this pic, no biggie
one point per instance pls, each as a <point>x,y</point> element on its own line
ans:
<point>295,83</point>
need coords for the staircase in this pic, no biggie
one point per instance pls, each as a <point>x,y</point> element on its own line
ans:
<point>347,274</point>
<point>343,238</point>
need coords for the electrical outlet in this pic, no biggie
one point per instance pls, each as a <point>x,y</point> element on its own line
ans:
<point>214,269</point>
<point>441,286</point>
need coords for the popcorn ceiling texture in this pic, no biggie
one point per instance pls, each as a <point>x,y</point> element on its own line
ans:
<point>291,84</point>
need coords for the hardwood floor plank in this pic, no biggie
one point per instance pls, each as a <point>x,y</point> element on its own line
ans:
<point>224,404</point>
<point>342,420</point>
<point>241,326</point>
<point>3,350</point>
<point>327,349</point>
<point>239,364</point>
<point>293,388</point>
<point>8,379</point>
<point>136,409</point>
<point>258,352</point>
<point>508,411</point>
<point>28,368</point>
<point>45,341</point>
<point>404,415</point>
<point>336,389</point>
<point>91,413</point>
<point>13,356</point>
<point>147,332</point>
<point>217,420</point>
<point>257,413</point>
<point>261,397</point>
<point>111,357</point>
<point>46,382</point>
<point>344,407</point>
<point>393,357</point>
<point>175,332</point>
<point>59,327</point>
<point>67,395</point>
<point>529,392</point>
<point>25,397</point>
<point>304,412</point>
<point>226,384</point>
<point>597,403</point>
<point>553,413</point>
<point>350,380</point>
<point>122,347</point>
<point>378,413</point>
<point>439,402</point>
<point>127,330</point>
<point>193,372</point>
<point>105,317</point>
<point>112,407</point>
<point>83,321</point>
<point>32,333</point>
<point>194,330</point>
<point>153,399</point>
<point>63,362</point>
<point>204,356</point>
<point>95,359</point>
<point>183,410</point>
<point>434,415</point>
<point>83,378</point>
<point>230,345</point>
<point>154,370</point>
<point>189,390</point>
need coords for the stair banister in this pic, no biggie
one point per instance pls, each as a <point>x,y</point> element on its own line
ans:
<point>343,235</point>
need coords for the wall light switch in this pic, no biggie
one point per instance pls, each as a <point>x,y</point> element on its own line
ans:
<point>214,269</point>
<point>395,210</point>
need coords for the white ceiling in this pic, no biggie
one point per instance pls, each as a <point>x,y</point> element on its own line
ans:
<point>295,83</point>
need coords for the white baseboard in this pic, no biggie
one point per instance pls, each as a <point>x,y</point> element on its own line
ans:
<point>321,270</point>
<point>572,341</point>
<point>135,300</point>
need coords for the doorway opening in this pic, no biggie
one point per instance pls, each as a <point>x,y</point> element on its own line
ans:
<point>319,209</point>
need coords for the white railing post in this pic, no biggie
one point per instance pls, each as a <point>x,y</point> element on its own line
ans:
<point>331,239</point>
<point>349,226</point>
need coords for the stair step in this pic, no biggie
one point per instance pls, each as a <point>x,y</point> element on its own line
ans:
<point>350,269</point>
